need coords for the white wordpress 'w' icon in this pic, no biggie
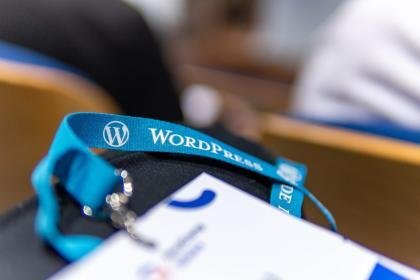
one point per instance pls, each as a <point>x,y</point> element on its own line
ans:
<point>116,134</point>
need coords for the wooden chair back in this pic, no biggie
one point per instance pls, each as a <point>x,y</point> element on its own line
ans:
<point>33,100</point>
<point>371,184</point>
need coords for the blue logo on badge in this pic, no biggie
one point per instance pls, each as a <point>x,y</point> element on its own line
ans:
<point>206,197</point>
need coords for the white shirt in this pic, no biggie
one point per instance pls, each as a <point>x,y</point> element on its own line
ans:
<point>365,64</point>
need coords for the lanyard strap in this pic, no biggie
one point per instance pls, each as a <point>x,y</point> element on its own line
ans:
<point>89,179</point>
<point>286,197</point>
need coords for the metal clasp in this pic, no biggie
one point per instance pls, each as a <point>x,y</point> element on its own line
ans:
<point>116,206</point>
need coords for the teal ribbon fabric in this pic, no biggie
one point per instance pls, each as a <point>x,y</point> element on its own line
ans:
<point>286,197</point>
<point>88,178</point>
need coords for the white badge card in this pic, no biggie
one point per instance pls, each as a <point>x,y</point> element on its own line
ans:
<point>211,230</point>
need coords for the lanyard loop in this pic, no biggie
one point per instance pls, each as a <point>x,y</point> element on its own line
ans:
<point>89,179</point>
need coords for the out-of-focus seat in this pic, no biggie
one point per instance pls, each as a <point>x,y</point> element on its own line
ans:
<point>375,127</point>
<point>34,97</point>
<point>371,184</point>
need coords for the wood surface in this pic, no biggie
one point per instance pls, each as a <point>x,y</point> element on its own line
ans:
<point>33,100</point>
<point>371,184</point>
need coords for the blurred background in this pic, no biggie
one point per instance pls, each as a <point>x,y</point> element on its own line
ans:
<point>333,84</point>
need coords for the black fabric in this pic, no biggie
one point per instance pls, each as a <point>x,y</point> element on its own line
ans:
<point>24,256</point>
<point>106,39</point>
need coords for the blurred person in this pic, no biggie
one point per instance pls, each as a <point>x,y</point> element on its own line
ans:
<point>282,28</point>
<point>108,40</point>
<point>364,68</point>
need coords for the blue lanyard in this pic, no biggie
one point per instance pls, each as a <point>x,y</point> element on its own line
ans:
<point>285,197</point>
<point>89,179</point>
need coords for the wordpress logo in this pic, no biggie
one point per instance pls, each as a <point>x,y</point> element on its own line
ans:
<point>116,134</point>
<point>289,173</point>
